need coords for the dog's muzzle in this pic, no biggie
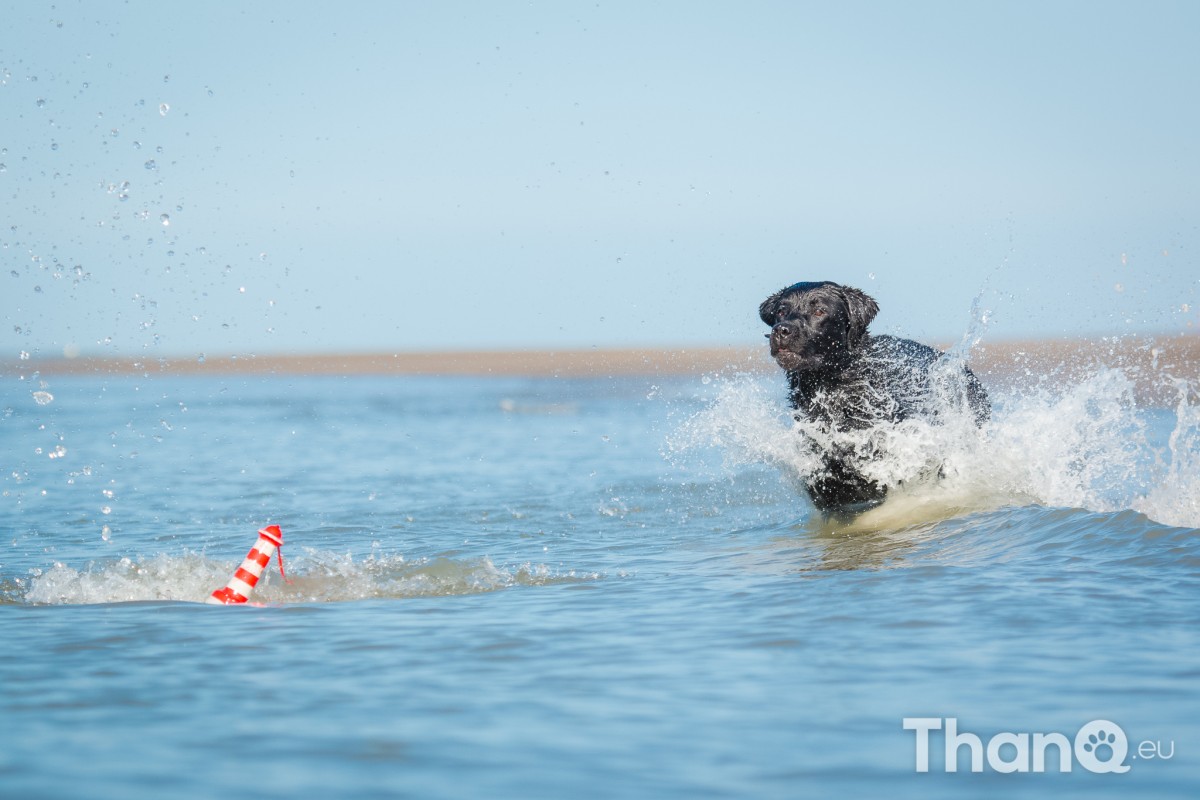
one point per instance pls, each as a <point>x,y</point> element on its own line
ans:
<point>783,336</point>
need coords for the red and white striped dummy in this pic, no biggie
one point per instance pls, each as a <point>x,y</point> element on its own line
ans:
<point>270,540</point>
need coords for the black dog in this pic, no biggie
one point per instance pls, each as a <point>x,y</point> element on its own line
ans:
<point>846,379</point>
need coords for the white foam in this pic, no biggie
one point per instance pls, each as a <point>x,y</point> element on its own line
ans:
<point>164,577</point>
<point>1175,498</point>
<point>317,576</point>
<point>1085,445</point>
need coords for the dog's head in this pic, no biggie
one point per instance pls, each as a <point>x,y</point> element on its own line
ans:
<point>815,326</point>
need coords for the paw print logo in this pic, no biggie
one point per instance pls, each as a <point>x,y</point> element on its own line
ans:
<point>1100,739</point>
<point>1101,746</point>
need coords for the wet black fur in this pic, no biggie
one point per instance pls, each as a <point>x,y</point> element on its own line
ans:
<point>847,379</point>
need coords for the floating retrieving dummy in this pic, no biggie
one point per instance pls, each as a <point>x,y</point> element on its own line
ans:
<point>241,585</point>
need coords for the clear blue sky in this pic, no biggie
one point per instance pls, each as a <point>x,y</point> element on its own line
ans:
<point>409,176</point>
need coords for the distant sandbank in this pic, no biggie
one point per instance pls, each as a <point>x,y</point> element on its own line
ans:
<point>1146,359</point>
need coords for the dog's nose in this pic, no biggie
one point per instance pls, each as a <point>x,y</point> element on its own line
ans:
<point>782,331</point>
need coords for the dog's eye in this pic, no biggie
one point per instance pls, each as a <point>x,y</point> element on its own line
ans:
<point>818,312</point>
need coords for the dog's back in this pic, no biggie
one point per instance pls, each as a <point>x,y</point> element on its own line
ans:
<point>888,379</point>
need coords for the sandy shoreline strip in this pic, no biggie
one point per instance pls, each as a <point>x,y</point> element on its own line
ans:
<point>1144,358</point>
<point>531,363</point>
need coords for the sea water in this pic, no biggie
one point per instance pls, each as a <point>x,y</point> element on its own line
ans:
<point>602,587</point>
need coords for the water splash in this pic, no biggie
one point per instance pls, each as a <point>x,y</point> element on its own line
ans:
<point>1087,444</point>
<point>317,577</point>
<point>163,577</point>
<point>1175,498</point>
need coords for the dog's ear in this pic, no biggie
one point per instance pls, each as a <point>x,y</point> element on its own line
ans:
<point>862,308</point>
<point>769,310</point>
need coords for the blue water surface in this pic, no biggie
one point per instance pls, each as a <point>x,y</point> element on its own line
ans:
<point>523,588</point>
